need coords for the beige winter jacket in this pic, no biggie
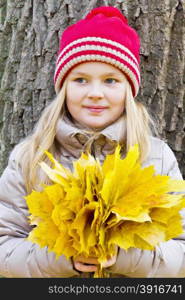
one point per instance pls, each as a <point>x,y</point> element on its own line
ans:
<point>21,258</point>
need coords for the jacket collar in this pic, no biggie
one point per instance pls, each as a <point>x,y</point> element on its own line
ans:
<point>73,138</point>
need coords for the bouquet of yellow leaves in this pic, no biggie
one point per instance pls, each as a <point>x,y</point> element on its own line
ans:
<point>96,208</point>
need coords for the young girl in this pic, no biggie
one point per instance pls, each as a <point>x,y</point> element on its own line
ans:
<point>97,78</point>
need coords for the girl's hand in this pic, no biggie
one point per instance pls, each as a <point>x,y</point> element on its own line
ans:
<point>84,264</point>
<point>90,264</point>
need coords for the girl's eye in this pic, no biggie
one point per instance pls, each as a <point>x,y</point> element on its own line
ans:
<point>81,80</point>
<point>111,80</point>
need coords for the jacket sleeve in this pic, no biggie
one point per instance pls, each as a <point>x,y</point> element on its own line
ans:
<point>18,256</point>
<point>168,259</point>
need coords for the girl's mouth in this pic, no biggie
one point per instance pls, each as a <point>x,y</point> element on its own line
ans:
<point>96,109</point>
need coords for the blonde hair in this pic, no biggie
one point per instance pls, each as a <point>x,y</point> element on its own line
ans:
<point>139,124</point>
<point>30,151</point>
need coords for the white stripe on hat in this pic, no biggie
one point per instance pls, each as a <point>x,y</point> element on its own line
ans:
<point>97,48</point>
<point>98,39</point>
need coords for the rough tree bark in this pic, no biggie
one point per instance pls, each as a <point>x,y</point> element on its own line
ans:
<point>29,37</point>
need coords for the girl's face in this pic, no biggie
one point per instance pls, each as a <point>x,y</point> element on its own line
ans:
<point>95,94</point>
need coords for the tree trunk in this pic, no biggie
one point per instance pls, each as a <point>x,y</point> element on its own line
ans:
<point>29,39</point>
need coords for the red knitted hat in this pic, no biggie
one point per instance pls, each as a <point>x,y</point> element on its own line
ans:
<point>104,35</point>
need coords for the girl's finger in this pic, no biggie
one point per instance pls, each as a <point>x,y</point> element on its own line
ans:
<point>84,268</point>
<point>87,260</point>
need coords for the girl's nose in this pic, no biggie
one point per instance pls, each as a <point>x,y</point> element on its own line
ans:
<point>95,91</point>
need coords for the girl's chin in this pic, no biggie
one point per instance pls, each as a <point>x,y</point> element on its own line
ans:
<point>95,125</point>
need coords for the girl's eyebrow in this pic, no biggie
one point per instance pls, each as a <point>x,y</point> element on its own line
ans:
<point>111,74</point>
<point>86,74</point>
<point>79,73</point>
